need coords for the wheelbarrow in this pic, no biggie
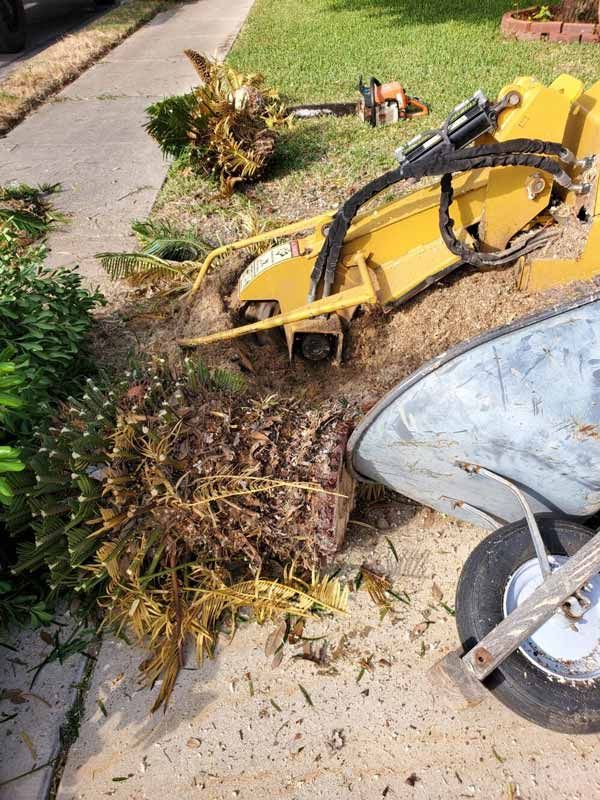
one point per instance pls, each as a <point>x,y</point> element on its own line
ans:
<point>503,431</point>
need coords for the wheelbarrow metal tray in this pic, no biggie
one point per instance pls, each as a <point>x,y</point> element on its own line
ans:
<point>522,400</point>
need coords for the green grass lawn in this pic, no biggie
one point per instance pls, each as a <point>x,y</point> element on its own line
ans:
<point>441,50</point>
<point>313,50</point>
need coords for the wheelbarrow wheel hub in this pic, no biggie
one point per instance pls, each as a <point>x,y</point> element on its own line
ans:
<point>563,647</point>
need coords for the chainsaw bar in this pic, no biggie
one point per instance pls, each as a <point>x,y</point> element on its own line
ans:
<point>324,110</point>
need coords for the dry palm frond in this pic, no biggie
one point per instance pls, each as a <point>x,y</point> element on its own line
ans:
<point>163,619</point>
<point>229,122</point>
<point>376,585</point>
<point>216,488</point>
<point>202,65</point>
<point>371,492</point>
<point>189,500</point>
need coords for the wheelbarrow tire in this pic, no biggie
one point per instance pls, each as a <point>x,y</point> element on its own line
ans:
<point>555,703</point>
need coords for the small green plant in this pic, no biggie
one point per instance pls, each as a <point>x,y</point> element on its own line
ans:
<point>21,604</point>
<point>45,317</point>
<point>11,404</point>
<point>26,216</point>
<point>543,13</point>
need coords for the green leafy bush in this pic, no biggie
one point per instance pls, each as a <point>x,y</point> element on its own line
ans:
<point>45,317</point>
<point>11,404</point>
<point>20,604</point>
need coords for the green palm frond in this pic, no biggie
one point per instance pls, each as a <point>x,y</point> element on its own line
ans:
<point>170,122</point>
<point>226,381</point>
<point>197,374</point>
<point>141,267</point>
<point>164,241</point>
<point>23,191</point>
<point>24,221</point>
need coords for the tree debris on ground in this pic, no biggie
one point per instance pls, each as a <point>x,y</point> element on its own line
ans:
<point>228,124</point>
<point>179,499</point>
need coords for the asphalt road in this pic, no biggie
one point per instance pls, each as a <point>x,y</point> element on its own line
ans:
<point>48,20</point>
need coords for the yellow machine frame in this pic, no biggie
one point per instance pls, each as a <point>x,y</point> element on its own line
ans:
<point>396,250</point>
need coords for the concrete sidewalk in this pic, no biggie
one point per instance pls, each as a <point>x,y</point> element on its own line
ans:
<point>90,137</point>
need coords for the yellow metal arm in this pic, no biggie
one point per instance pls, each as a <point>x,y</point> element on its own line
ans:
<point>363,293</point>
<point>305,224</point>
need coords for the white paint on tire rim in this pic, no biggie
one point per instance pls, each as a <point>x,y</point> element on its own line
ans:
<point>564,648</point>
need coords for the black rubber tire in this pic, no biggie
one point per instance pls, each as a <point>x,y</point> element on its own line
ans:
<point>567,707</point>
<point>12,26</point>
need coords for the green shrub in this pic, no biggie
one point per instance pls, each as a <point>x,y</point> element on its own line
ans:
<point>45,317</point>
<point>12,381</point>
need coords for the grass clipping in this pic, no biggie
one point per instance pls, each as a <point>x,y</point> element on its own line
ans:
<point>47,73</point>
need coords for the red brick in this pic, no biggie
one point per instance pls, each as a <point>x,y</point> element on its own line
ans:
<point>591,38</point>
<point>578,27</point>
<point>566,38</point>
<point>511,24</point>
<point>528,37</point>
<point>551,30</point>
<point>506,25</point>
<point>547,26</point>
<point>521,25</point>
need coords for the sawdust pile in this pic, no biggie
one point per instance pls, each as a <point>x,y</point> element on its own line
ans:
<point>462,306</point>
<point>455,310</point>
<point>385,346</point>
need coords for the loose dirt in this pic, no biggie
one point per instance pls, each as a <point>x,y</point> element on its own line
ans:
<point>382,347</point>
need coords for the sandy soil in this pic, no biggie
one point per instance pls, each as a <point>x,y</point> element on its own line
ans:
<point>237,728</point>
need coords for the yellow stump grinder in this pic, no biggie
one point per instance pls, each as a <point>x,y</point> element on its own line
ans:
<point>480,214</point>
<point>502,431</point>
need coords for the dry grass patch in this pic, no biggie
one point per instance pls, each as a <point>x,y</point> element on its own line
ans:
<point>47,73</point>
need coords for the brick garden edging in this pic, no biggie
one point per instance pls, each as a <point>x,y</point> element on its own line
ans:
<point>552,30</point>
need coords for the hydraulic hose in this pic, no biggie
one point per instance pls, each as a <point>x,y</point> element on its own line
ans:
<point>535,153</point>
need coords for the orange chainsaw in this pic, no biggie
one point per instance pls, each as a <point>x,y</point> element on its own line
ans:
<point>379,104</point>
<point>386,103</point>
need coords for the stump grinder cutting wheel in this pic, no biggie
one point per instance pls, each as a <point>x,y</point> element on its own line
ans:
<point>502,431</point>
